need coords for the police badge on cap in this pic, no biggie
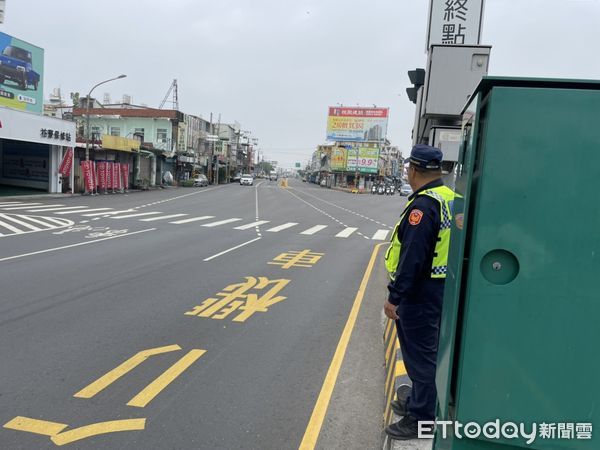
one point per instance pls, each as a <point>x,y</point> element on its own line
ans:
<point>426,157</point>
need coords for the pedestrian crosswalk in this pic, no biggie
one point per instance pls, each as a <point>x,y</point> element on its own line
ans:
<point>18,221</point>
<point>12,224</point>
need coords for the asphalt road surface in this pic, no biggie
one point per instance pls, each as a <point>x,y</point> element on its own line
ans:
<point>199,318</point>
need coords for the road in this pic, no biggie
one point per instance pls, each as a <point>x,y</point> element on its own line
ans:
<point>202,318</point>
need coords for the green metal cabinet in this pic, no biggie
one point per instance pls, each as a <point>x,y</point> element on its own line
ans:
<point>521,319</point>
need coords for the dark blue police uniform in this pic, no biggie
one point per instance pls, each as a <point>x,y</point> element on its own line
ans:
<point>418,298</point>
<point>415,293</point>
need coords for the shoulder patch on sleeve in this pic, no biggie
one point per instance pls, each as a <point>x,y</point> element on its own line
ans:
<point>415,217</point>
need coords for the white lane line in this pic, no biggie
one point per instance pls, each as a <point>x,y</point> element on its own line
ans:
<point>30,205</point>
<point>380,235</point>
<point>74,245</point>
<point>83,210</point>
<point>229,250</point>
<point>11,203</point>
<point>282,227</point>
<point>136,215</point>
<point>314,230</point>
<point>346,233</point>
<point>169,216</point>
<point>109,213</point>
<point>20,222</point>
<point>192,219</point>
<point>251,225</point>
<point>64,208</point>
<point>221,222</point>
<point>10,227</point>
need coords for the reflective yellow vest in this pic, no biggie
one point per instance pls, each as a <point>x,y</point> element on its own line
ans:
<point>444,196</point>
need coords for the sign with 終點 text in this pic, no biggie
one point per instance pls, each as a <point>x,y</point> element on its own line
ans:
<point>453,22</point>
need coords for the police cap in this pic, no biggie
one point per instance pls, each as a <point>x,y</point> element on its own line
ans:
<point>426,157</point>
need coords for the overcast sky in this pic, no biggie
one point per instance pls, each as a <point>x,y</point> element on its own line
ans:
<point>276,65</point>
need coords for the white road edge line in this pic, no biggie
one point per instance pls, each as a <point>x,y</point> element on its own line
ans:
<point>74,245</point>
<point>227,251</point>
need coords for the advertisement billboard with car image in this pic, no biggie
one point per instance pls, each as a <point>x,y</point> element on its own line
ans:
<point>21,74</point>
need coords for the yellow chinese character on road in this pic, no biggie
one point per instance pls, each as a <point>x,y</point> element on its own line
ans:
<point>304,258</point>
<point>237,298</point>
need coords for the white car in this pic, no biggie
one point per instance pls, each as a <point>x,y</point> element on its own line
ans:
<point>406,190</point>
<point>246,180</point>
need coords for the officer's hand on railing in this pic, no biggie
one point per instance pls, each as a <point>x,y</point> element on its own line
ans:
<point>390,310</point>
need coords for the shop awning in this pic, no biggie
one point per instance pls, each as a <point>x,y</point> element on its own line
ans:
<point>120,144</point>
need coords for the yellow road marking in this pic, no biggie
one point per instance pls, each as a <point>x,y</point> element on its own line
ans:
<point>318,415</point>
<point>106,380</point>
<point>400,369</point>
<point>154,388</point>
<point>53,429</point>
<point>35,426</point>
<point>98,428</point>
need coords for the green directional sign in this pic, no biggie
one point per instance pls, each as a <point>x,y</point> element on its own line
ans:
<point>298,165</point>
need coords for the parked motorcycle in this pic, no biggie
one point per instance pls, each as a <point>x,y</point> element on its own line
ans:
<point>374,189</point>
<point>392,189</point>
<point>388,190</point>
<point>380,189</point>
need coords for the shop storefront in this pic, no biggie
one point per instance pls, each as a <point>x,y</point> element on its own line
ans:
<point>32,148</point>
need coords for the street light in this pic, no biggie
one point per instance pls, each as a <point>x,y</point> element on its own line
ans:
<point>87,113</point>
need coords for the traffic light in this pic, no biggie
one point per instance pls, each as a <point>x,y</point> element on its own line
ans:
<point>417,78</point>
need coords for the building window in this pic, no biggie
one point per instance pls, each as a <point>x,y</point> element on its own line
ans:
<point>115,131</point>
<point>95,133</point>
<point>139,132</point>
<point>161,135</point>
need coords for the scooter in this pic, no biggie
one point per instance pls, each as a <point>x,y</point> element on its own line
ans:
<point>374,189</point>
<point>380,189</point>
<point>388,190</point>
<point>392,189</point>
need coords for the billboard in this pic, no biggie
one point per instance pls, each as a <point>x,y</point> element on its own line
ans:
<point>368,158</point>
<point>356,124</point>
<point>338,158</point>
<point>21,75</point>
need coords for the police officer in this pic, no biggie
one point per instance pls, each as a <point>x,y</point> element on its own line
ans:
<point>416,261</point>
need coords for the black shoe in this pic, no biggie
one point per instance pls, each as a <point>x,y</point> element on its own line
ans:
<point>406,428</point>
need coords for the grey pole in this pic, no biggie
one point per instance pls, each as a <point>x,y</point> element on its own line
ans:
<point>87,111</point>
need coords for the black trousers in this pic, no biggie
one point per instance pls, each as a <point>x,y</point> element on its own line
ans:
<point>418,331</point>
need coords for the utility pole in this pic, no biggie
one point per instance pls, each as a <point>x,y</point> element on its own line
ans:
<point>220,149</point>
